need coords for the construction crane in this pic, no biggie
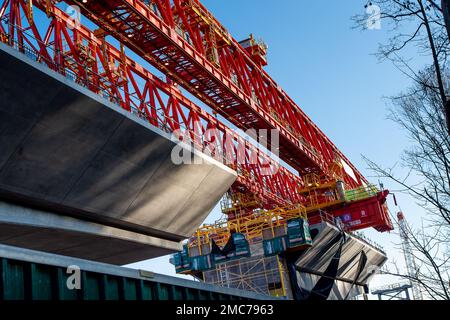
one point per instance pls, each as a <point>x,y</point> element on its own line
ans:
<point>276,231</point>
<point>411,266</point>
<point>192,49</point>
<point>175,37</point>
<point>393,291</point>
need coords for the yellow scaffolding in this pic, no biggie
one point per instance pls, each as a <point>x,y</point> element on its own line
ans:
<point>252,225</point>
<point>264,275</point>
<point>258,273</point>
<point>236,203</point>
<point>208,19</point>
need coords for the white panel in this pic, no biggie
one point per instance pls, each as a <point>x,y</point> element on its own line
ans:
<point>349,170</point>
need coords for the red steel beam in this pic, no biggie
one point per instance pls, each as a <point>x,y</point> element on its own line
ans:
<point>178,36</point>
<point>91,61</point>
<point>78,53</point>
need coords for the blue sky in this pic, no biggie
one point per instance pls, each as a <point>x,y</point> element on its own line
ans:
<point>329,70</point>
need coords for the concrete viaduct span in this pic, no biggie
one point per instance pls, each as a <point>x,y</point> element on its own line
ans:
<point>81,177</point>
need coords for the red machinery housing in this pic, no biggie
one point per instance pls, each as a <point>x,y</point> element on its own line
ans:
<point>372,212</point>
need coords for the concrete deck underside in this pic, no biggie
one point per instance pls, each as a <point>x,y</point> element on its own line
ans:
<point>42,231</point>
<point>68,151</point>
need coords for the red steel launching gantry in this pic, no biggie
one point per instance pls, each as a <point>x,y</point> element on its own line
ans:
<point>184,41</point>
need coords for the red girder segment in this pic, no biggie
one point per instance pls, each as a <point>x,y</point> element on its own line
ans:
<point>179,36</point>
<point>77,53</point>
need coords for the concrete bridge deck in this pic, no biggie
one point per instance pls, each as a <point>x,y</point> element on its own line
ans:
<point>68,151</point>
<point>43,231</point>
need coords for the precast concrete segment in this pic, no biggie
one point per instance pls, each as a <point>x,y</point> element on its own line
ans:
<point>68,150</point>
<point>317,258</point>
<point>49,232</point>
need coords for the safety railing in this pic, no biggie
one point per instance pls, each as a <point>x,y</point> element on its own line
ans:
<point>365,239</point>
<point>323,216</point>
<point>361,193</point>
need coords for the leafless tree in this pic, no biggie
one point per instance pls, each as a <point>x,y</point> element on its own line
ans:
<point>419,28</point>
<point>427,180</point>
<point>431,270</point>
<point>445,5</point>
<point>420,24</point>
<point>428,159</point>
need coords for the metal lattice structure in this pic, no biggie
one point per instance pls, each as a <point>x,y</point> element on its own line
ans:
<point>411,266</point>
<point>194,52</point>
<point>152,58</point>
<point>259,274</point>
<point>393,292</point>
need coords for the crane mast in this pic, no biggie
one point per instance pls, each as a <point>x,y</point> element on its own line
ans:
<point>411,266</point>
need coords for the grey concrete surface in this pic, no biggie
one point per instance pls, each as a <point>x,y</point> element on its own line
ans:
<point>313,263</point>
<point>65,149</point>
<point>318,257</point>
<point>48,232</point>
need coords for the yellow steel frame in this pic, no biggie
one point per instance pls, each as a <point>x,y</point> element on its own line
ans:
<point>252,225</point>
<point>314,193</point>
<point>209,20</point>
<point>252,222</point>
<point>336,170</point>
<point>236,202</point>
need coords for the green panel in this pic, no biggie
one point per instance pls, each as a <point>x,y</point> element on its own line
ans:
<point>202,263</point>
<point>203,295</point>
<point>192,294</point>
<point>161,291</point>
<point>146,290</point>
<point>110,288</point>
<point>41,282</point>
<point>274,246</point>
<point>13,274</point>
<point>2,279</point>
<point>242,246</point>
<point>307,232</point>
<point>222,297</point>
<point>298,233</point>
<point>129,289</point>
<point>181,261</point>
<point>23,280</point>
<point>176,293</point>
<point>214,296</point>
<point>90,286</point>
